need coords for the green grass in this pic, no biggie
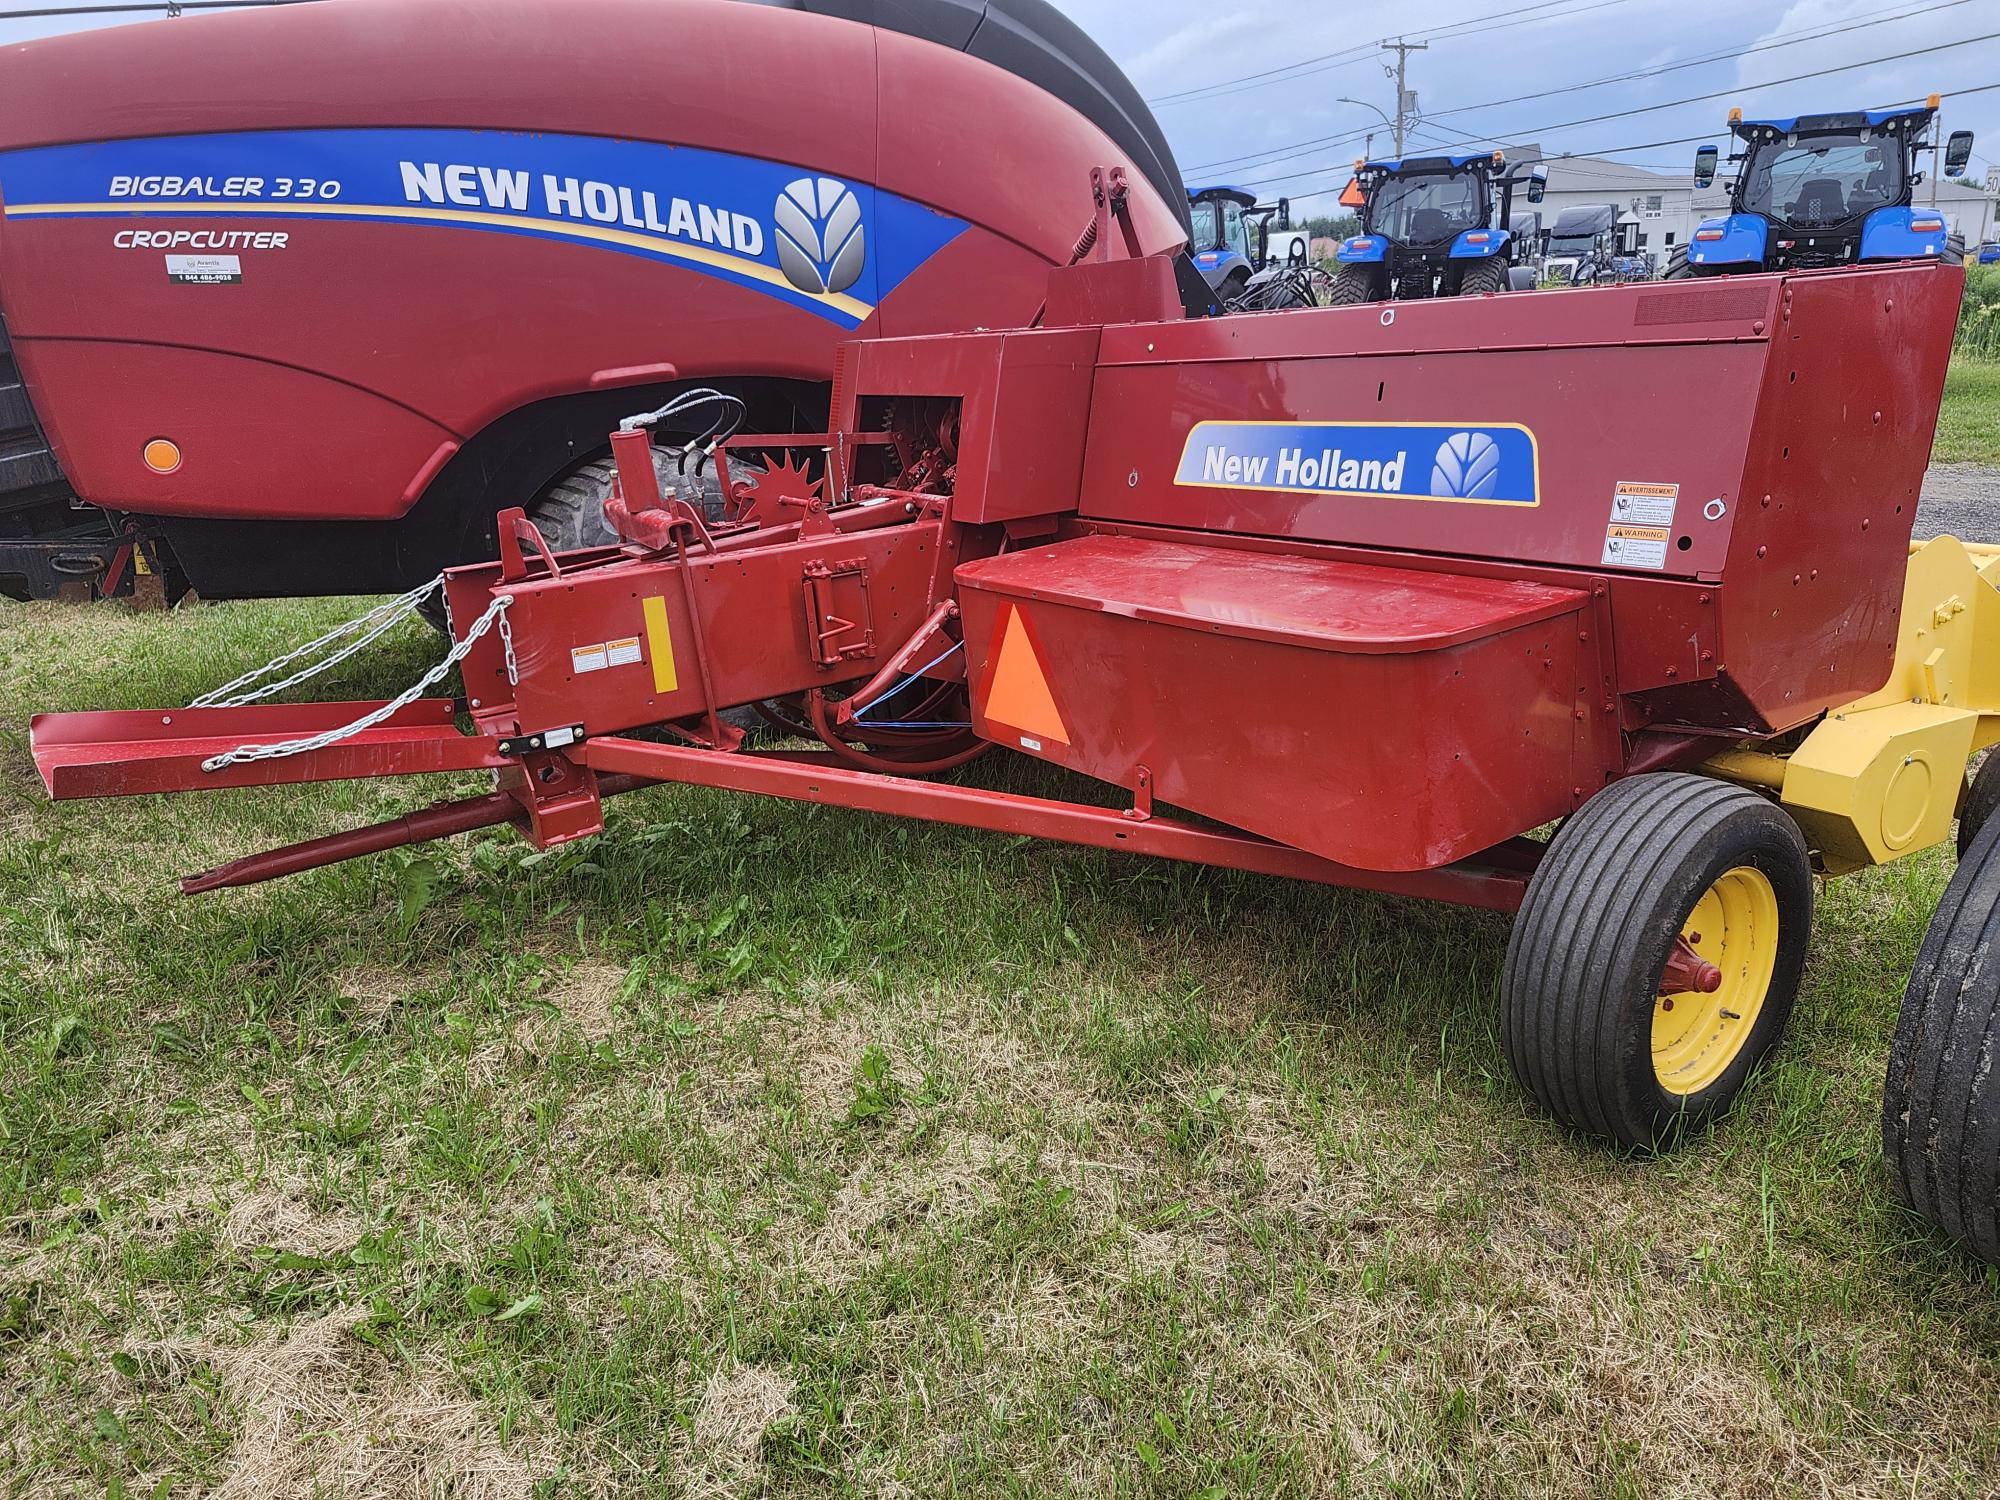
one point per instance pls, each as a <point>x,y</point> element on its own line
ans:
<point>761,1149</point>
<point>1969,422</point>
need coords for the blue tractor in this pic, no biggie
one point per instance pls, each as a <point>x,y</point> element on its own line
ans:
<point>1436,226</point>
<point>1236,239</point>
<point>1824,190</point>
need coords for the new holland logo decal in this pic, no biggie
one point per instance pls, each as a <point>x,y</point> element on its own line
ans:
<point>822,243</point>
<point>1470,463</point>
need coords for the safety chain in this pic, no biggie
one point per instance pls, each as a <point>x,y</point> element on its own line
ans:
<point>496,614</point>
<point>507,644</point>
<point>367,629</point>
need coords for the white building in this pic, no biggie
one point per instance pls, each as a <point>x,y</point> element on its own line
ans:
<point>1662,203</point>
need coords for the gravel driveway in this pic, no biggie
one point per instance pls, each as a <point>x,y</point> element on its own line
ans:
<point>1962,499</point>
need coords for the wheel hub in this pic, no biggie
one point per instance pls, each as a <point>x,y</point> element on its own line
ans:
<point>1715,982</point>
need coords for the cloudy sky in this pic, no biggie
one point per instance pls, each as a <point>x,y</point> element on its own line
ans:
<point>1252,91</point>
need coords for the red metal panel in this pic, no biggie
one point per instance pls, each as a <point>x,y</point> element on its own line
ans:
<point>1607,400</point>
<point>754,620</point>
<point>392,327</point>
<point>133,752</point>
<point>1845,421</point>
<point>1320,604</point>
<point>1026,405</point>
<point>1370,725</point>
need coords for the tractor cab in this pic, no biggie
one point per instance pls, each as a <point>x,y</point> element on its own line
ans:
<point>1825,190</point>
<point>1587,245</point>
<point>1244,248</point>
<point>1224,238</point>
<point>1433,226</point>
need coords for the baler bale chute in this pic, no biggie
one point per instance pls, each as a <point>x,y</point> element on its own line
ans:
<point>1358,594</point>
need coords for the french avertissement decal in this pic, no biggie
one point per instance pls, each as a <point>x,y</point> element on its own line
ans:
<point>1471,463</point>
<point>832,246</point>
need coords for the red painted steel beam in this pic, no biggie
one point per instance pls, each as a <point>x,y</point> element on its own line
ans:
<point>1465,884</point>
<point>131,753</point>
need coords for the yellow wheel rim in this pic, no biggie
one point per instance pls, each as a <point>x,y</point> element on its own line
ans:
<point>1735,927</point>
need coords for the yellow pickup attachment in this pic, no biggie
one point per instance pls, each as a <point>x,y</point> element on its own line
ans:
<point>1883,777</point>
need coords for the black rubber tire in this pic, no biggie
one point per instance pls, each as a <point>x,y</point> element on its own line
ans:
<point>1481,277</point>
<point>1677,265</point>
<point>1954,250</point>
<point>1602,912</point>
<point>1520,279</point>
<point>1981,798</point>
<point>1353,285</point>
<point>570,512</point>
<point>1941,1104</point>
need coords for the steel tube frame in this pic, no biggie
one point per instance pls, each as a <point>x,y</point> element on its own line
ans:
<point>1497,887</point>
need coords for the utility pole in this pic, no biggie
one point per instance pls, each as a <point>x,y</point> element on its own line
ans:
<point>1406,103</point>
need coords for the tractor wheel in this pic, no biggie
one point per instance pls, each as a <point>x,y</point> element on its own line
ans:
<point>1941,1106</point>
<point>1353,284</point>
<point>1483,276</point>
<point>1954,250</point>
<point>1646,862</point>
<point>1520,279</point>
<point>1980,800</point>
<point>1677,265</point>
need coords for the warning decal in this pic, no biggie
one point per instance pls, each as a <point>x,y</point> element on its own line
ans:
<point>1636,546</point>
<point>600,655</point>
<point>1634,504</point>
<point>1017,685</point>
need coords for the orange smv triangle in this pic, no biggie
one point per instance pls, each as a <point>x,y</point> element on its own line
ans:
<point>1352,196</point>
<point>1017,689</point>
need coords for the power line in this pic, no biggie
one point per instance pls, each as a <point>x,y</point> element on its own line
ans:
<point>1528,132</point>
<point>1361,52</point>
<point>169,7</point>
<point>1646,109</point>
<point>1607,151</point>
<point>1792,39</point>
<point>1274,154</point>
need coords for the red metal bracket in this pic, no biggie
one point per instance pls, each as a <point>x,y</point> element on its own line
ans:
<point>516,528</point>
<point>839,621</point>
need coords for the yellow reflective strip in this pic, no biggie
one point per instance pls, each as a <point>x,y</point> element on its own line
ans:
<point>661,639</point>
<point>752,270</point>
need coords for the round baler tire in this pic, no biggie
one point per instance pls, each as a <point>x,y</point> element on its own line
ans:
<point>570,512</point>
<point>1481,277</point>
<point>1941,1102</point>
<point>1981,798</point>
<point>1352,286</point>
<point>1581,1011</point>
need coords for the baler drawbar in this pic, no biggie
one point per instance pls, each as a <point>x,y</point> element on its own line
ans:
<point>1368,596</point>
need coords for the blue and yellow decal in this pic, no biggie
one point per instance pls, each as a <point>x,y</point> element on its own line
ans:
<point>832,247</point>
<point>1466,463</point>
